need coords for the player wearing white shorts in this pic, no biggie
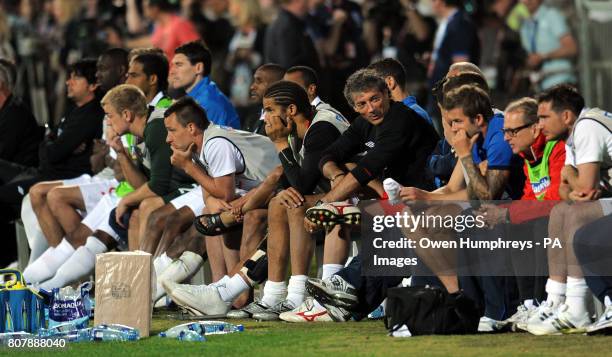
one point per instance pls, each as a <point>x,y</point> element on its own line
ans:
<point>71,259</point>
<point>585,177</point>
<point>226,163</point>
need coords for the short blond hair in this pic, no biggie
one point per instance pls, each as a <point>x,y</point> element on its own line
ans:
<point>126,97</point>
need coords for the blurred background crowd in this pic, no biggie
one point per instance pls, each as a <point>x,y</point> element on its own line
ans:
<point>506,38</point>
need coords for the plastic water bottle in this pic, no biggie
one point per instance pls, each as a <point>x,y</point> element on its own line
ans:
<point>81,335</point>
<point>132,333</point>
<point>392,188</point>
<point>57,329</point>
<point>191,335</point>
<point>6,336</point>
<point>220,327</point>
<point>203,328</point>
<point>107,334</point>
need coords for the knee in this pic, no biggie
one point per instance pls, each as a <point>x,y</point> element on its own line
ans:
<point>157,220</point>
<point>147,206</point>
<point>38,194</point>
<point>173,222</point>
<point>54,197</point>
<point>255,217</point>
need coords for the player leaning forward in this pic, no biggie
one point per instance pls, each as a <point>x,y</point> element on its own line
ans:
<point>220,159</point>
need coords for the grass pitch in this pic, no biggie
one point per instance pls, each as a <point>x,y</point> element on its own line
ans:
<point>366,338</point>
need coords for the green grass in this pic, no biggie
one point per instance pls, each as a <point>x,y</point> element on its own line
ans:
<point>336,339</point>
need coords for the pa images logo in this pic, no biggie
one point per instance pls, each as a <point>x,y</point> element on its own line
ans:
<point>120,291</point>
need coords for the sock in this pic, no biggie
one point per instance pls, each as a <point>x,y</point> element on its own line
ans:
<point>161,263</point>
<point>46,266</point>
<point>528,303</point>
<point>330,269</point>
<point>81,263</point>
<point>607,301</point>
<point>575,299</point>
<point>233,287</point>
<point>273,292</point>
<point>556,292</point>
<point>296,291</point>
<point>221,281</point>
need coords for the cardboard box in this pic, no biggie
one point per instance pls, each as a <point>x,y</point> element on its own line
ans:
<point>123,290</point>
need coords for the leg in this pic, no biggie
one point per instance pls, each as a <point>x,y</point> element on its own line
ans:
<point>133,227</point>
<point>442,262</point>
<point>278,253</point>
<point>145,209</point>
<point>36,239</point>
<point>49,225</point>
<point>155,228</point>
<point>253,231</point>
<point>64,201</point>
<point>82,262</point>
<point>177,222</point>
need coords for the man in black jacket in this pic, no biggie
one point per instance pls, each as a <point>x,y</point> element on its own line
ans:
<point>19,132</point>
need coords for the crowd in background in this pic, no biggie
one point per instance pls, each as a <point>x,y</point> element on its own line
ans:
<point>44,36</point>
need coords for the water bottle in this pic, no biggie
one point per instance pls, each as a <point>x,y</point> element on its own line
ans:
<point>6,336</point>
<point>191,335</point>
<point>107,334</point>
<point>57,329</point>
<point>132,333</point>
<point>175,332</point>
<point>220,327</point>
<point>203,328</point>
<point>392,188</point>
<point>81,335</point>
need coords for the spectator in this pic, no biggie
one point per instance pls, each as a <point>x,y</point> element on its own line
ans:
<point>456,40</point>
<point>287,43</point>
<point>190,71</point>
<point>170,29</point>
<point>549,44</point>
<point>245,48</point>
<point>19,132</point>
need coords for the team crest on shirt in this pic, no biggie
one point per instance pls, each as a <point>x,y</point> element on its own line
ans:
<point>540,186</point>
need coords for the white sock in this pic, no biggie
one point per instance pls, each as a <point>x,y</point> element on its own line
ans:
<point>528,303</point>
<point>607,301</point>
<point>296,291</point>
<point>81,263</point>
<point>46,266</point>
<point>331,269</point>
<point>556,292</point>
<point>221,281</point>
<point>161,263</point>
<point>232,287</point>
<point>274,292</point>
<point>576,293</point>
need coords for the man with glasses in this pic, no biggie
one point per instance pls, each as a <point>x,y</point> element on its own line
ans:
<point>543,161</point>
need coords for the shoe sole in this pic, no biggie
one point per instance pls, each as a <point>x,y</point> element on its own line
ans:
<point>328,218</point>
<point>320,294</point>
<point>245,315</point>
<point>607,330</point>
<point>265,317</point>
